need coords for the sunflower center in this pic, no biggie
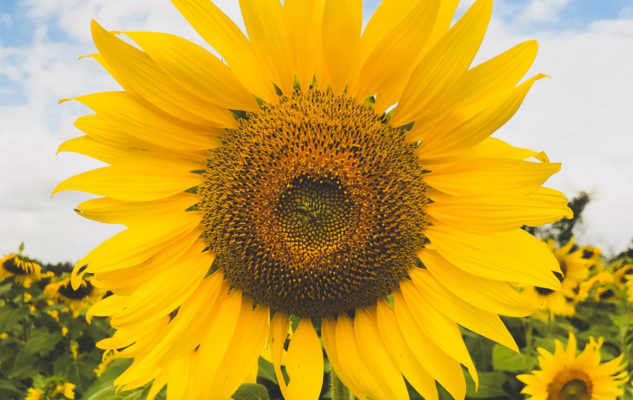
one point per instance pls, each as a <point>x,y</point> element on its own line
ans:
<point>574,390</point>
<point>570,385</point>
<point>313,213</point>
<point>82,291</point>
<point>314,205</point>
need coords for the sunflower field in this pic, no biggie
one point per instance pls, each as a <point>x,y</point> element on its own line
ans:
<point>579,339</point>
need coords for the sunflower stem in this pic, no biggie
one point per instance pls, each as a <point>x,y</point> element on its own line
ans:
<point>339,391</point>
<point>527,324</point>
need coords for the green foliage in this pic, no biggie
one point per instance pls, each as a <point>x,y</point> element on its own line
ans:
<point>41,343</point>
<point>251,391</point>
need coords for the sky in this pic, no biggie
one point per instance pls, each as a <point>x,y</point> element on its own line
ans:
<point>581,117</point>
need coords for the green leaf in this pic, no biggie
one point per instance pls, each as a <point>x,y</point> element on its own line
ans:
<point>42,341</point>
<point>5,288</point>
<point>8,390</point>
<point>21,247</point>
<point>25,366</point>
<point>103,388</point>
<point>489,385</point>
<point>505,359</point>
<point>11,317</point>
<point>251,391</point>
<point>266,370</point>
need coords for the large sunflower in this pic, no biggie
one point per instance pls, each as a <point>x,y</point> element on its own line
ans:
<point>344,180</point>
<point>565,376</point>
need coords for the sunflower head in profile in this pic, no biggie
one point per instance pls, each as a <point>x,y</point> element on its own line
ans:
<point>314,172</point>
<point>23,269</point>
<point>77,298</point>
<point>567,376</point>
<point>623,274</point>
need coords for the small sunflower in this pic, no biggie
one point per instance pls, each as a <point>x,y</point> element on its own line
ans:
<point>623,275</point>
<point>574,268</point>
<point>23,270</point>
<point>551,302</point>
<point>77,299</point>
<point>318,170</point>
<point>565,376</point>
<point>34,394</point>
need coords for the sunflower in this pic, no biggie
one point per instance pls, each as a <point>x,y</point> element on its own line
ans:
<point>23,270</point>
<point>623,275</point>
<point>34,394</point>
<point>77,298</point>
<point>565,376</point>
<point>574,267</point>
<point>345,181</point>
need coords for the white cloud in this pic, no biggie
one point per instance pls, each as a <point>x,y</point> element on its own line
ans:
<point>73,16</point>
<point>580,117</point>
<point>543,10</point>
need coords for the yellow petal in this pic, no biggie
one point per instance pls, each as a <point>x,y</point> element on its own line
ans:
<point>376,356</point>
<point>246,344</point>
<point>196,69</point>
<point>133,151</point>
<point>216,340</point>
<point>124,278</point>
<point>139,74</point>
<point>514,256</point>
<point>353,364</point>
<point>468,124</point>
<point>304,363</point>
<point>224,36</point>
<point>495,296</point>
<point>304,18</point>
<point>444,63</point>
<point>342,22</point>
<point>488,148</point>
<point>142,304</point>
<point>344,371</point>
<point>502,72</point>
<point>492,213</point>
<point>267,30</point>
<point>497,175</point>
<point>137,244</point>
<point>178,371</point>
<point>279,326</point>
<point>477,320</point>
<point>119,114</point>
<point>440,365</point>
<point>441,24</point>
<point>392,57</point>
<point>112,211</point>
<point>106,307</point>
<point>406,361</point>
<point>127,184</point>
<point>435,326</point>
<point>387,16</point>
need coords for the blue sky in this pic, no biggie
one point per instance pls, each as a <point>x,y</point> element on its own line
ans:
<point>580,116</point>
